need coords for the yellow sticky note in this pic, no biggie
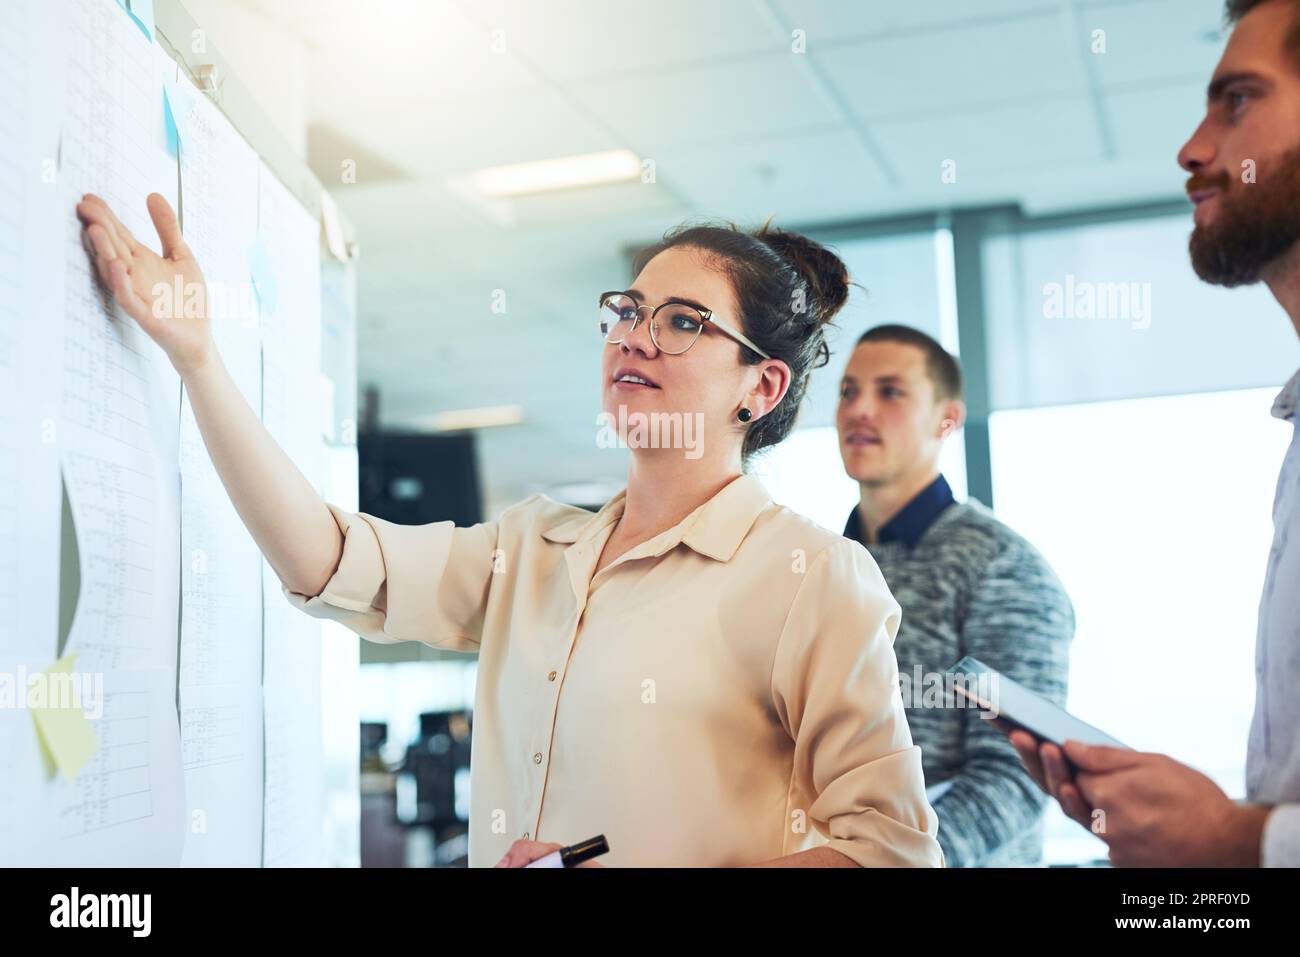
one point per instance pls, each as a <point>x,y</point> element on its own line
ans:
<point>66,738</point>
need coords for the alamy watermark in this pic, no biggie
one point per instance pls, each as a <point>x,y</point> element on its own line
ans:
<point>45,690</point>
<point>131,912</point>
<point>950,689</point>
<point>214,300</point>
<point>1080,299</point>
<point>652,430</point>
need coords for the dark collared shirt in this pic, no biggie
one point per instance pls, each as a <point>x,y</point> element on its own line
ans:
<point>912,521</point>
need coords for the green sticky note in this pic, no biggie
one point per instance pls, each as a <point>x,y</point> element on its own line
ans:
<point>66,738</point>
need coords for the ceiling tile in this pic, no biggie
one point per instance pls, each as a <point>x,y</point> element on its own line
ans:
<point>405,51</point>
<point>955,69</point>
<point>838,19</point>
<point>761,95</point>
<point>578,39</point>
<point>1156,40</point>
<point>820,174</point>
<point>991,145</point>
<point>490,129</point>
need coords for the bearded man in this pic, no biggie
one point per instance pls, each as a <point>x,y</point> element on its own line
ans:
<point>1244,161</point>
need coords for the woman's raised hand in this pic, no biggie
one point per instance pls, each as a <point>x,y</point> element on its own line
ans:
<point>165,294</point>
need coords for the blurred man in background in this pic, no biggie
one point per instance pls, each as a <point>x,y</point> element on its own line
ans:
<point>967,583</point>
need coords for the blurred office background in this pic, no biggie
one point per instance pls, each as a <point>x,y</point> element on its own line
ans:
<point>962,157</point>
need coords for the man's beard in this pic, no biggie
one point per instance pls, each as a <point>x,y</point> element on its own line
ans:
<point>1257,223</point>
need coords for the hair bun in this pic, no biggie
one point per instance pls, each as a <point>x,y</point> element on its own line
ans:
<point>824,272</point>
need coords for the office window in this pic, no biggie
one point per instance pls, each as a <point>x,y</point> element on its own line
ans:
<point>397,694</point>
<point>1156,514</point>
<point>1113,310</point>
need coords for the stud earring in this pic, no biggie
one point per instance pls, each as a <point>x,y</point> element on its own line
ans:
<point>744,415</point>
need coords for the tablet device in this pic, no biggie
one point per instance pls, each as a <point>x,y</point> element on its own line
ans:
<point>1014,704</point>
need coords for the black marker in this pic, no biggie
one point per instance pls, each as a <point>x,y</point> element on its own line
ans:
<point>574,854</point>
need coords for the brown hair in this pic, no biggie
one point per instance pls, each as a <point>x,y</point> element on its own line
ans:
<point>942,367</point>
<point>1234,10</point>
<point>787,289</point>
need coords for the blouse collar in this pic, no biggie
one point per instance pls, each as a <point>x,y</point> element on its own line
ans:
<point>715,528</point>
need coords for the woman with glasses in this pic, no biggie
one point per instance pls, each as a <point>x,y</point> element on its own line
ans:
<point>699,674</point>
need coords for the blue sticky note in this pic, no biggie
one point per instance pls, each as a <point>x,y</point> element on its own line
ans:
<point>141,11</point>
<point>169,120</point>
<point>263,275</point>
<point>178,103</point>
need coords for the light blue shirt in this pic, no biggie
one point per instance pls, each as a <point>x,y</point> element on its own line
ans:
<point>1273,755</point>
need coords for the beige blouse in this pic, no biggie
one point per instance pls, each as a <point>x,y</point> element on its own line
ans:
<point>722,694</point>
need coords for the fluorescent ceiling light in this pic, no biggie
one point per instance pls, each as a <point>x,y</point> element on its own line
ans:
<point>567,172</point>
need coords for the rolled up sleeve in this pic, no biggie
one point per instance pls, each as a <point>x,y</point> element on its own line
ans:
<point>835,688</point>
<point>426,583</point>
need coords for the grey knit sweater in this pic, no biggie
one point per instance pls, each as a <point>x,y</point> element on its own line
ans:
<point>972,586</point>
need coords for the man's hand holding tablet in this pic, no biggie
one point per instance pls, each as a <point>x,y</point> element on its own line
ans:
<point>1037,728</point>
<point>1150,810</point>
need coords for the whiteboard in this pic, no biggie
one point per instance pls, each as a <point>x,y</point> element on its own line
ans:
<point>201,685</point>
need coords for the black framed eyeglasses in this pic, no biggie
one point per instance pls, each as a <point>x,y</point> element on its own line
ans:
<point>674,325</point>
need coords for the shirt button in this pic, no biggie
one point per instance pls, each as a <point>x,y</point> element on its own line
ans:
<point>551,676</point>
<point>537,758</point>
